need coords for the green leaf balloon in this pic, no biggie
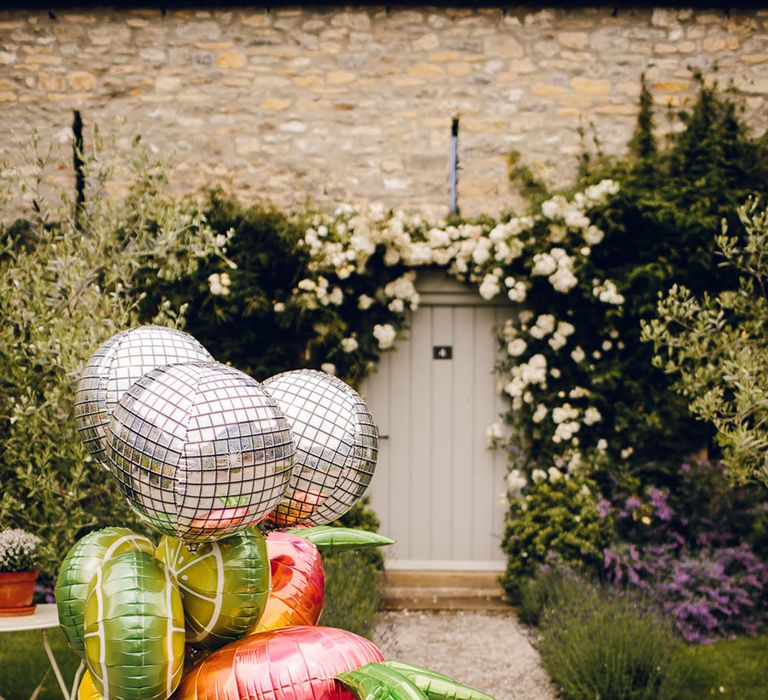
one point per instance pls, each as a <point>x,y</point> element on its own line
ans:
<point>394,680</point>
<point>375,682</point>
<point>134,629</point>
<point>224,585</point>
<point>328,538</point>
<point>435,685</point>
<point>78,569</point>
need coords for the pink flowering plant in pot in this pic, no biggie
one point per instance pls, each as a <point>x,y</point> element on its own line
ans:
<point>18,571</point>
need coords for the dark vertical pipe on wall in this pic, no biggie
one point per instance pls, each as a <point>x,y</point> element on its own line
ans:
<point>454,165</point>
<point>79,166</point>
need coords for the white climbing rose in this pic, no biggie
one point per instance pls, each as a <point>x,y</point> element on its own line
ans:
<point>385,335</point>
<point>349,344</point>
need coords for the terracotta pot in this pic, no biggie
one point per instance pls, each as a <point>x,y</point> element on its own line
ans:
<point>16,591</point>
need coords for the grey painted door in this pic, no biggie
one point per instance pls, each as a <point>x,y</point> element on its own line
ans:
<point>437,486</point>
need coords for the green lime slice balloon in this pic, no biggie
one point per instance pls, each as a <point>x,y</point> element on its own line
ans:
<point>78,569</point>
<point>134,629</point>
<point>224,585</point>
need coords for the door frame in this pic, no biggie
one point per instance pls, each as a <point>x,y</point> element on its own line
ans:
<point>437,289</point>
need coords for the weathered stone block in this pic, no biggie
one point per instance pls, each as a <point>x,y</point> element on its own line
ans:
<point>574,40</point>
<point>257,19</point>
<point>445,57</point>
<point>340,77</point>
<point>81,81</point>
<point>51,82</point>
<point>459,70</point>
<point>167,83</point>
<point>426,70</point>
<point>351,20</point>
<point>664,17</point>
<point>44,59</point>
<point>546,90</point>
<point>427,42</point>
<point>671,86</point>
<point>275,104</point>
<point>720,43</point>
<point>619,110</point>
<point>153,55</point>
<point>587,86</point>
<point>231,59</point>
<point>504,45</point>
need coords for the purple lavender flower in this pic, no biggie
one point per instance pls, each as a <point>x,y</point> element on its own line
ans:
<point>660,505</point>
<point>633,503</point>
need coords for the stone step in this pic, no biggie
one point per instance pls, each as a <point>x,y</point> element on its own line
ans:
<point>443,590</point>
<point>472,579</point>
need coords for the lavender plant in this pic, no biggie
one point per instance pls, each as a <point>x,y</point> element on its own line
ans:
<point>720,592</point>
<point>696,552</point>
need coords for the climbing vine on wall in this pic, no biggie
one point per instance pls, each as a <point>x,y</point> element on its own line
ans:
<point>580,270</point>
<point>352,285</point>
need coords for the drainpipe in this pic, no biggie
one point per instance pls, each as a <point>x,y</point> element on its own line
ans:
<point>454,165</point>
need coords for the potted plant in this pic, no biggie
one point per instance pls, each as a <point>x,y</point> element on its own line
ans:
<point>18,572</point>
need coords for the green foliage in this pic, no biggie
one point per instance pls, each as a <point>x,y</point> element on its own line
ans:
<point>533,188</point>
<point>595,644</point>
<point>362,516</point>
<point>64,289</point>
<point>716,345</point>
<point>660,229</point>
<point>540,593</point>
<point>259,321</point>
<point>352,589</point>
<point>729,668</point>
<point>243,324</point>
<point>352,592</point>
<point>556,522</point>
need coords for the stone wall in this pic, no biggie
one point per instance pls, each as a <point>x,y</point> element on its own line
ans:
<point>332,104</point>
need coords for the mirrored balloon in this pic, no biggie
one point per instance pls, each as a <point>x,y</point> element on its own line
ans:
<point>115,366</point>
<point>336,446</point>
<point>200,450</point>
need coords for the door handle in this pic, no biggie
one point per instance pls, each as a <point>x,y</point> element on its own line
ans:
<point>383,437</point>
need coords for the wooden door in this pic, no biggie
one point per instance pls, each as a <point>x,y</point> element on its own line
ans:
<point>437,486</point>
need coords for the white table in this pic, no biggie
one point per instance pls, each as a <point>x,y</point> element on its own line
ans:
<point>44,617</point>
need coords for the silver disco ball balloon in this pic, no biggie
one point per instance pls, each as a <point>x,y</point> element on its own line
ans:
<point>115,366</point>
<point>336,446</point>
<point>200,450</point>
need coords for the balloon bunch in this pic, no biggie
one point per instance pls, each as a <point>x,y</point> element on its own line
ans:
<point>204,453</point>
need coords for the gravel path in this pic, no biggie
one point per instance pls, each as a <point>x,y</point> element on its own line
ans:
<point>488,651</point>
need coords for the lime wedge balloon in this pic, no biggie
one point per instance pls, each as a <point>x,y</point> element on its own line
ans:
<point>87,690</point>
<point>224,585</point>
<point>78,569</point>
<point>134,629</point>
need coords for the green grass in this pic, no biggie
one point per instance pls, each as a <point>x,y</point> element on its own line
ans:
<point>739,667</point>
<point>23,664</point>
